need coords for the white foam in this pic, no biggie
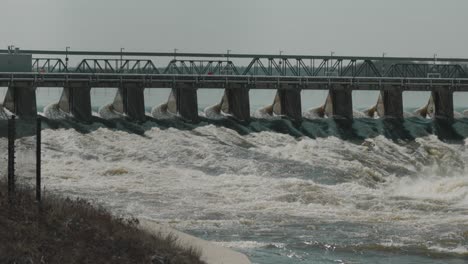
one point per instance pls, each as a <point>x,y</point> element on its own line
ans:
<point>53,111</point>
<point>457,114</point>
<point>359,114</point>
<point>213,112</point>
<point>212,178</point>
<point>108,112</point>
<point>161,112</point>
<point>246,244</point>
<point>3,112</point>
<point>452,190</point>
<point>265,113</point>
<point>314,113</point>
<point>460,249</point>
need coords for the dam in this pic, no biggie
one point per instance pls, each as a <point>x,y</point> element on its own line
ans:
<point>76,72</point>
<point>302,190</point>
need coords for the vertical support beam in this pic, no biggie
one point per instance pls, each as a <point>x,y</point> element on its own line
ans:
<point>130,100</point>
<point>288,103</point>
<point>186,101</point>
<point>390,103</point>
<point>38,159</point>
<point>21,100</point>
<point>443,103</point>
<point>236,102</point>
<point>76,100</point>
<point>11,158</point>
<point>340,102</point>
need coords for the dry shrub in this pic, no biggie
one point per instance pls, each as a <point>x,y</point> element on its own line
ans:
<point>75,231</point>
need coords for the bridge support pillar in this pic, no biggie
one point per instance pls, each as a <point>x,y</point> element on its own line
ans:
<point>186,103</point>
<point>339,102</point>
<point>390,103</point>
<point>236,102</point>
<point>443,103</point>
<point>20,99</point>
<point>130,100</point>
<point>76,100</point>
<point>288,102</point>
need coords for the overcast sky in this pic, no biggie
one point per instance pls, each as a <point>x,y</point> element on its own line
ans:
<point>347,27</point>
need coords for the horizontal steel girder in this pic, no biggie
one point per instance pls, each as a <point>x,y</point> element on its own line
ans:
<point>223,81</point>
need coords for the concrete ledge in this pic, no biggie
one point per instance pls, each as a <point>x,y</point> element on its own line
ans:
<point>210,253</point>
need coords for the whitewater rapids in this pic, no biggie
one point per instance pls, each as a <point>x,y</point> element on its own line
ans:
<point>271,195</point>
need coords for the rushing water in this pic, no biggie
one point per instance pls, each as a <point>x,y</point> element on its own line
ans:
<point>372,191</point>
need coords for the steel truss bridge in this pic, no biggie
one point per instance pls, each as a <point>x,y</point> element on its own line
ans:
<point>47,61</point>
<point>131,72</point>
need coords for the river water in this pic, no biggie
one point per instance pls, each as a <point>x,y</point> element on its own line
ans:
<point>320,192</point>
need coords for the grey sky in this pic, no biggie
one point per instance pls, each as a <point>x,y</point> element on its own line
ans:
<point>348,27</point>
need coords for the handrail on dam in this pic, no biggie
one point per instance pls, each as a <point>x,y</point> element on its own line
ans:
<point>97,80</point>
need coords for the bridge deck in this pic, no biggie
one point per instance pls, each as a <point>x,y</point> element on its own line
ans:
<point>230,81</point>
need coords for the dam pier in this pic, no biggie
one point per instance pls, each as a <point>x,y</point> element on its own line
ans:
<point>22,71</point>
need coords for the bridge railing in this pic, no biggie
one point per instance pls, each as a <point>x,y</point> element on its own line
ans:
<point>224,81</point>
<point>256,67</point>
<point>243,64</point>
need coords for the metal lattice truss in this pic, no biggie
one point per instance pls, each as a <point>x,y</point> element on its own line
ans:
<point>426,70</point>
<point>201,67</point>
<point>337,67</point>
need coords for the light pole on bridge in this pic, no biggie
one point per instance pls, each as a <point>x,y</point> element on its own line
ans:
<point>66,57</point>
<point>121,57</point>
<point>281,54</point>
<point>383,63</point>
<point>331,62</point>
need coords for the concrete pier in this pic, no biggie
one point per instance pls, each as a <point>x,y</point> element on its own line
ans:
<point>186,102</point>
<point>130,100</point>
<point>443,103</point>
<point>236,102</point>
<point>339,102</point>
<point>76,100</point>
<point>390,103</point>
<point>288,103</point>
<point>20,99</point>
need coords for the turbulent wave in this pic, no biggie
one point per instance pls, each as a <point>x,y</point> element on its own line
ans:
<point>214,112</point>
<point>108,112</point>
<point>4,113</point>
<point>266,113</point>
<point>162,112</point>
<point>281,191</point>
<point>53,111</point>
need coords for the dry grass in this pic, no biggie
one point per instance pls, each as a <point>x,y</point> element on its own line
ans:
<point>74,231</point>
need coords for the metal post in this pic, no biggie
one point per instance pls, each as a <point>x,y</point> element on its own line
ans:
<point>11,158</point>
<point>121,58</point>
<point>383,64</point>
<point>38,160</point>
<point>66,57</point>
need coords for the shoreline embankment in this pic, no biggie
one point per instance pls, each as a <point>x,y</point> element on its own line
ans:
<point>209,252</point>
